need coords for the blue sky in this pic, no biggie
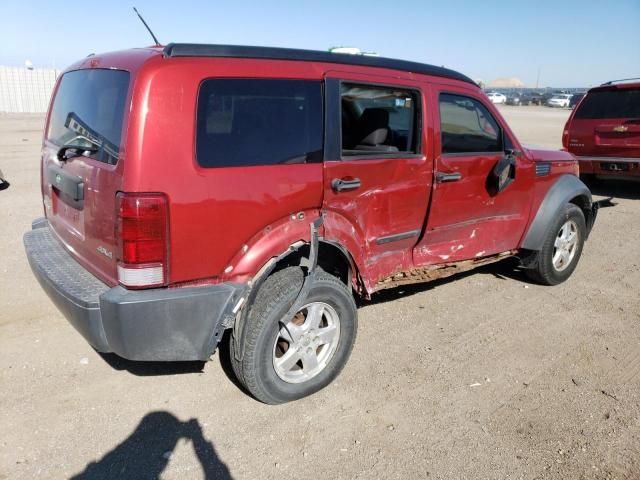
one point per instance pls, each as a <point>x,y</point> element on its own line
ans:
<point>571,43</point>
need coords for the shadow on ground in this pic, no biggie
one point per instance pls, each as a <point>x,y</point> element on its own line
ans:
<point>148,369</point>
<point>143,369</point>
<point>628,190</point>
<point>146,452</point>
<point>507,269</point>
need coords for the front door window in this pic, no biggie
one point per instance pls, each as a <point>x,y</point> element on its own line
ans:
<point>467,127</point>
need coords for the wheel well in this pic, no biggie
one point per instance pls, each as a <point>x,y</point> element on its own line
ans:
<point>584,203</point>
<point>334,261</point>
<point>331,258</point>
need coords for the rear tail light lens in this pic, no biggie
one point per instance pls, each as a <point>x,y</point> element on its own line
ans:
<point>142,232</point>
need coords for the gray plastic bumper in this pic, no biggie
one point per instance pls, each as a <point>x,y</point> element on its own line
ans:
<point>158,325</point>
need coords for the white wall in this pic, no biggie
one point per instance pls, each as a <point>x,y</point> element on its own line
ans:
<point>26,91</point>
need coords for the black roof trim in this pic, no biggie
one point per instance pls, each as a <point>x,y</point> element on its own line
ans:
<point>273,53</point>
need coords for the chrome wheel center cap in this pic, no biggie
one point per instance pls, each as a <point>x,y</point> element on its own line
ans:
<point>302,351</point>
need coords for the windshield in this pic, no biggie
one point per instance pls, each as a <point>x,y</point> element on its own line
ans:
<point>614,103</point>
<point>88,111</point>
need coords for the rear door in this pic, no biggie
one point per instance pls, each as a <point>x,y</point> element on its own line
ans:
<point>79,192</point>
<point>607,123</point>
<point>376,177</point>
<point>467,219</point>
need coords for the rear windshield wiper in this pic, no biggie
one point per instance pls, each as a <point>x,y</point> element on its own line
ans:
<point>78,150</point>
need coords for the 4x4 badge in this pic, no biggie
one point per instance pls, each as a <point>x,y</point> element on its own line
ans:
<point>620,128</point>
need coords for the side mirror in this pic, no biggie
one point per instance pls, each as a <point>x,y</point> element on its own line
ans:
<point>503,173</point>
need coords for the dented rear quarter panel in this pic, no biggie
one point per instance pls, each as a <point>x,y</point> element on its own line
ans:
<point>213,211</point>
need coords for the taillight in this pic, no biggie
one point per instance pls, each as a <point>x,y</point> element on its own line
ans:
<point>142,233</point>
<point>565,136</point>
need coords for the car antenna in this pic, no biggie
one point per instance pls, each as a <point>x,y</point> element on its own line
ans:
<point>147,27</point>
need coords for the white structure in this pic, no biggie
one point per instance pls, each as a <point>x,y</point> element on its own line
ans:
<point>24,90</point>
<point>506,82</point>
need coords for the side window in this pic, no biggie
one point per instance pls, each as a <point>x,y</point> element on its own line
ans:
<point>378,120</point>
<point>467,126</point>
<point>243,122</point>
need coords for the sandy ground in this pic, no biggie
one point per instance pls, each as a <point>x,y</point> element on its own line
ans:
<point>481,376</point>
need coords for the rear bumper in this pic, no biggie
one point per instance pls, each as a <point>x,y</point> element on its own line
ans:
<point>156,325</point>
<point>618,167</point>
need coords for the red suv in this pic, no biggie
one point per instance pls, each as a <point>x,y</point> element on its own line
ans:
<point>194,189</point>
<point>603,131</point>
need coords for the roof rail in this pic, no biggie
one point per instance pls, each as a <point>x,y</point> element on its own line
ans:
<point>273,53</point>
<point>611,82</point>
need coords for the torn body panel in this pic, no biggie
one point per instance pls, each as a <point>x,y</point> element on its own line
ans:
<point>434,272</point>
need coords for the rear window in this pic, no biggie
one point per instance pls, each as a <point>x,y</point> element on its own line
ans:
<point>614,103</point>
<point>88,110</point>
<point>244,122</point>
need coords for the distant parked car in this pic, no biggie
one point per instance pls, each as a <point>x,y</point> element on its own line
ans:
<point>561,100</point>
<point>536,98</point>
<point>545,97</point>
<point>603,131</point>
<point>496,97</point>
<point>575,99</point>
<point>519,98</point>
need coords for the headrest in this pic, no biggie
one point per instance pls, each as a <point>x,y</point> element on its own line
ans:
<point>374,126</point>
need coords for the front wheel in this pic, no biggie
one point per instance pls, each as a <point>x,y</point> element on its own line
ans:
<point>290,358</point>
<point>561,249</point>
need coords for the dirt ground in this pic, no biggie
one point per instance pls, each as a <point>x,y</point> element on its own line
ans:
<point>481,376</point>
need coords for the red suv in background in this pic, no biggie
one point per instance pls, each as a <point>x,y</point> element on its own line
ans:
<point>194,189</point>
<point>603,131</point>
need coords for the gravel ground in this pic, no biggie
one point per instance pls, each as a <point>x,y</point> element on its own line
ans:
<point>480,376</point>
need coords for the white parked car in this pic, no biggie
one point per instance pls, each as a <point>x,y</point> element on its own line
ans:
<point>496,97</point>
<point>562,100</point>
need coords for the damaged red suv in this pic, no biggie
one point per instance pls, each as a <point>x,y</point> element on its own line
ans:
<point>603,131</point>
<point>194,189</point>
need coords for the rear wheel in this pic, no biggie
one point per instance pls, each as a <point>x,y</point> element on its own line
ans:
<point>561,249</point>
<point>289,358</point>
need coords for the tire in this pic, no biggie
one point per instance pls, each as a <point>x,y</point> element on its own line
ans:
<point>263,370</point>
<point>552,266</point>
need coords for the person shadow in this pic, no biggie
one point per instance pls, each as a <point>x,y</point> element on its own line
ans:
<point>147,451</point>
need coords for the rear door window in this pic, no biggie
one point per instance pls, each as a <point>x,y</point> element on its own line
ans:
<point>378,120</point>
<point>467,126</point>
<point>243,122</point>
<point>88,110</point>
<point>610,103</point>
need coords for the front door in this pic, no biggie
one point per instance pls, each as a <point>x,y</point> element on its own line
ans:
<point>468,218</point>
<point>376,178</point>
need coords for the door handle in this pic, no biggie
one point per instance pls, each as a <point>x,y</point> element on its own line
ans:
<point>448,177</point>
<point>342,185</point>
